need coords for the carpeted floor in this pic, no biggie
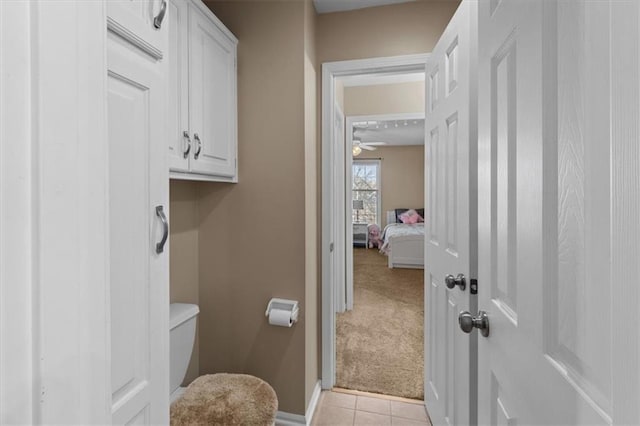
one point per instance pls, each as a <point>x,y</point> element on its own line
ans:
<point>379,345</point>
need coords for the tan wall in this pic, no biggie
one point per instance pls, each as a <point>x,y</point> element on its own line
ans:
<point>399,29</point>
<point>252,235</point>
<point>183,243</point>
<point>384,99</point>
<point>402,177</point>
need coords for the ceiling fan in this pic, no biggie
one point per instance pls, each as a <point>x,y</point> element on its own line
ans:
<point>358,146</point>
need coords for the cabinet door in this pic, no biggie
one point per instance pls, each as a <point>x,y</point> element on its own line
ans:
<point>180,140</point>
<point>138,182</point>
<point>135,20</point>
<point>212,100</point>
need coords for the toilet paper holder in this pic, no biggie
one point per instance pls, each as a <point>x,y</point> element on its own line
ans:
<point>285,305</point>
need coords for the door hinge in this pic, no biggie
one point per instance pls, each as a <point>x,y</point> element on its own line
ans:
<point>473,286</point>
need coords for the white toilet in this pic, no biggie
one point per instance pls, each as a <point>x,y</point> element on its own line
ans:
<point>182,334</point>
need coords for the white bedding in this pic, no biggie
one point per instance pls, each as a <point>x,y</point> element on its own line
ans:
<point>399,230</point>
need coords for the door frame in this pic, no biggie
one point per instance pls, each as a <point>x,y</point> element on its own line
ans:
<point>331,70</point>
<point>348,141</point>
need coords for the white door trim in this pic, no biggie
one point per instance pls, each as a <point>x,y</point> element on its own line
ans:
<point>347,187</point>
<point>331,70</point>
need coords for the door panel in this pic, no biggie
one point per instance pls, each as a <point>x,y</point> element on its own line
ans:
<point>138,181</point>
<point>546,213</point>
<point>178,28</point>
<point>450,154</point>
<point>212,105</point>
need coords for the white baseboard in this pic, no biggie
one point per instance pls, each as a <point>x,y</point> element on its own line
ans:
<point>313,402</point>
<point>288,419</point>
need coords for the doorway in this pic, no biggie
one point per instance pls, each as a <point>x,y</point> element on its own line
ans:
<point>379,337</point>
<point>338,237</point>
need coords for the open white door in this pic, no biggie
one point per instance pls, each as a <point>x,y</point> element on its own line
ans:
<point>559,201</point>
<point>450,151</point>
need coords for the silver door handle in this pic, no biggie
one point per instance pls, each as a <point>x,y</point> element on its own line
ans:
<point>452,281</point>
<point>165,229</point>
<point>468,322</point>
<point>157,21</point>
<point>197,153</point>
<point>185,134</point>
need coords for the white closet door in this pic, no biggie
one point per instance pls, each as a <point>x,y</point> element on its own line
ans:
<point>212,102</point>
<point>138,181</point>
<point>559,199</point>
<point>450,150</point>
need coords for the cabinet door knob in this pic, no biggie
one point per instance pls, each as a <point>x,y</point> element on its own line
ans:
<point>197,153</point>
<point>185,134</point>
<point>157,21</point>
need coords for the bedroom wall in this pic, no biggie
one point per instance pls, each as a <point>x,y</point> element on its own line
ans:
<point>402,176</point>
<point>402,166</point>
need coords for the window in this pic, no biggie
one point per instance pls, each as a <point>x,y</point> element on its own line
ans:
<point>366,188</point>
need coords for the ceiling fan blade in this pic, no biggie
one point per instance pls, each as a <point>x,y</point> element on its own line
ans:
<point>367,147</point>
<point>375,143</point>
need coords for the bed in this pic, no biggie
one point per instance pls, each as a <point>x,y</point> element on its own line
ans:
<point>403,243</point>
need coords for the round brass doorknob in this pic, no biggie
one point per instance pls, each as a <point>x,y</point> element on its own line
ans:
<point>452,281</point>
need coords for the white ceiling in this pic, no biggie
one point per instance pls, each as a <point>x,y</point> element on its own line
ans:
<point>393,132</point>
<point>327,6</point>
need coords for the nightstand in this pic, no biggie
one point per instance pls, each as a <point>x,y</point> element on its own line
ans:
<point>361,234</point>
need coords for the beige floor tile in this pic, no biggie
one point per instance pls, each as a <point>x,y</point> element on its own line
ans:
<point>370,419</point>
<point>408,411</point>
<point>373,405</point>
<point>399,421</point>
<point>333,416</point>
<point>337,399</point>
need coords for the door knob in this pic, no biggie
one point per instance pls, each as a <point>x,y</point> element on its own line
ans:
<point>452,281</point>
<point>468,322</point>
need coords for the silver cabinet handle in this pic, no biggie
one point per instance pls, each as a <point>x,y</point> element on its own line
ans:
<point>165,229</point>
<point>197,153</point>
<point>185,134</point>
<point>157,22</point>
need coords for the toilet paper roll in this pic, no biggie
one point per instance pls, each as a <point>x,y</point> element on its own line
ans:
<point>280,317</point>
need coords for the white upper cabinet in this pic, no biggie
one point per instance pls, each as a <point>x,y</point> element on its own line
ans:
<point>203,95</point>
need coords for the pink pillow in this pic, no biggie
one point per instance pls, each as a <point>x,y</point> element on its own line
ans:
<point>410,217</point>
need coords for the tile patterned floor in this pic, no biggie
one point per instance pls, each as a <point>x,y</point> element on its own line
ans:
<point>339,408</point>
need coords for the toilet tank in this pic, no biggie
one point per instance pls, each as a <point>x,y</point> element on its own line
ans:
<point>182,334</point>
